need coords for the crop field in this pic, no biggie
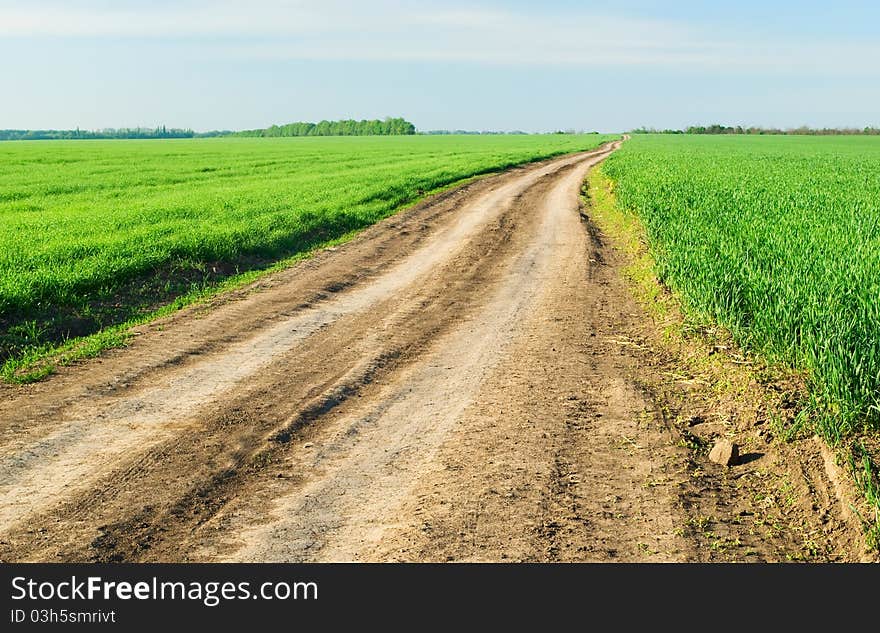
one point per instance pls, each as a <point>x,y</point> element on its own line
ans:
<point>778,240</point>
<point>94,232</point>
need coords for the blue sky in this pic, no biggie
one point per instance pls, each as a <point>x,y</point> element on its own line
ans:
<point>474,65</point>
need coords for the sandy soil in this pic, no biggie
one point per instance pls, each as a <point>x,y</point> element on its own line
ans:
<point>467,380</point>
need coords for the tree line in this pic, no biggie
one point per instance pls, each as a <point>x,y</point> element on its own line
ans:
<point>106,133</point>
<point>739,129</point>
<point>346,127</point>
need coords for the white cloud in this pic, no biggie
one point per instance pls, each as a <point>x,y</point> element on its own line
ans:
<point>221,18</point>
<point>389,30</point>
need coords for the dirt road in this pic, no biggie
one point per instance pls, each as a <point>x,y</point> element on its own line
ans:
<point>464,381</point>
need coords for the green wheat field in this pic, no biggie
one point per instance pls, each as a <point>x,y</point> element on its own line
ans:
<point>776,238</point>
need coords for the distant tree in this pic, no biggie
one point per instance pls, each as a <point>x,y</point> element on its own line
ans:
<point>106,133</point>
<point>802,130</point>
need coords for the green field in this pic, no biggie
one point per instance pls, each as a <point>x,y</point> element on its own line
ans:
<point>94,233</point>
<point>778,240</point>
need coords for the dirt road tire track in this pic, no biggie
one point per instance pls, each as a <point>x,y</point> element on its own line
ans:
<point>461,382</point>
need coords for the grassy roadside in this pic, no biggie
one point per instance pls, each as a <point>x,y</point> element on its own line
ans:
<point>41,361</point>
<point>709,350</point>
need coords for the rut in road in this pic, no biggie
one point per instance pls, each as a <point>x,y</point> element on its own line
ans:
<point>451,385</point>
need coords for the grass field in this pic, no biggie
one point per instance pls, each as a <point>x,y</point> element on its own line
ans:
<point>778,240</point>
<point>96,232</point>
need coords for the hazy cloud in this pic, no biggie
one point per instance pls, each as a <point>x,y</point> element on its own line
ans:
<point>388,30</point>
